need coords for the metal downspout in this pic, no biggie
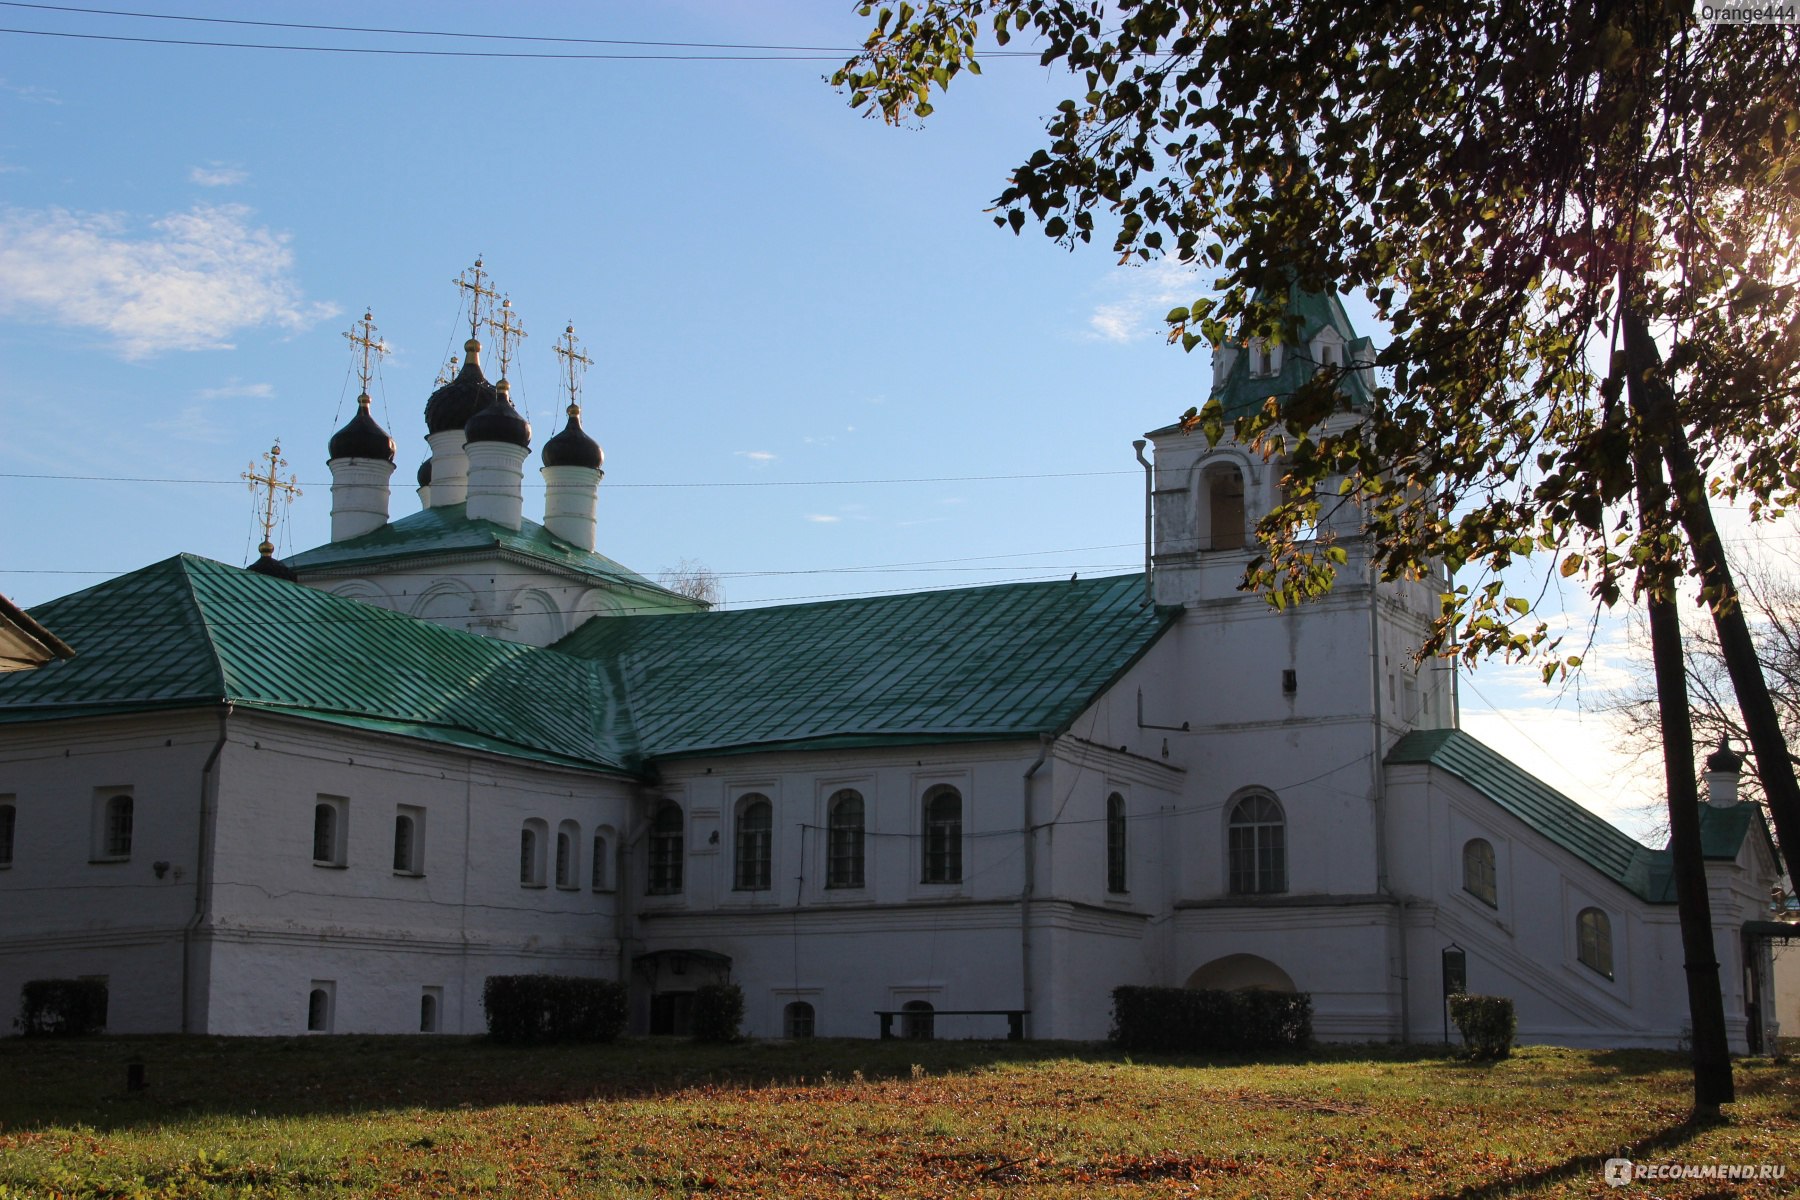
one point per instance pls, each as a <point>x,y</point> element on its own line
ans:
<point>1149,509</point>
<point>202,842</point>
<point>1378,805</point>
<point>1044,743</point>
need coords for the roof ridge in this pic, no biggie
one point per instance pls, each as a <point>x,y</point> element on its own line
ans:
<point>186,562</point>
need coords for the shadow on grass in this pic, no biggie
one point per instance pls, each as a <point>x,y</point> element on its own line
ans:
<point>1581,1166</point>
<point>56,1083</point>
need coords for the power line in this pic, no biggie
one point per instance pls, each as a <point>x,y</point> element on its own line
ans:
<point>703,483</point>
<point>375,50</point>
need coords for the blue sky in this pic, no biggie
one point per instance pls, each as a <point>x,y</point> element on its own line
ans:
<point>788,306</point>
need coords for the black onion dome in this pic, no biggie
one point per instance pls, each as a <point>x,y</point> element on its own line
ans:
<point>273,567</point>
<point>573,447</point>
<point>362,437</point>
<point>425,473</point>
<point>499,421</point>
<point>1724,759</point>
<point>451,406</point>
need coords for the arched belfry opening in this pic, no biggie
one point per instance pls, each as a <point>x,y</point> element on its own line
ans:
<point>1223,486</point>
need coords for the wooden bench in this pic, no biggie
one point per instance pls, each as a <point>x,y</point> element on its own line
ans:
<point>1015,1018</point>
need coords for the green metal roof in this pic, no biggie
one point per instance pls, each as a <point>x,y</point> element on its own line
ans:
<point>1634,866</point>
<point>1240,393</point>
<point>980,663</point>
<point>1013,660</point>
<point>450,530</point>
<point>189,631</point>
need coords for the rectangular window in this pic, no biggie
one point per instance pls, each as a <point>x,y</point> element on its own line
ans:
<point>8,817</point>
<point>409,840</point>
<point>112,825</point>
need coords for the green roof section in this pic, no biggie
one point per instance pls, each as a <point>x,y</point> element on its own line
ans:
<point>450,530</point>
<point>189,631</point>
<point>1644,872</point>
<point>1241,393</point>
<point>1007,661</point>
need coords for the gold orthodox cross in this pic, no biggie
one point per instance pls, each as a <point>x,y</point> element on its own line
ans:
<point>269,482</point>
<point>481,296</point>
<point>508,333</point>
<point>574,363</point>
<point>448,372</point>
<point>362,336</point>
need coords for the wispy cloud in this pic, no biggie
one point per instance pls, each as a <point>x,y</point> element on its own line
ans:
<point>191,423</point>
<point>761,458</point>
<point>190,281</point>
<point>218,175</point>
<point>823,518</point>
<point>30,93</point>
<point>1138,296</point>
<point>233,390</point>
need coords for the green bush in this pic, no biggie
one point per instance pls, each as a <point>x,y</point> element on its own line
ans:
<point>1486,1023</point>
<point>1198,1020</point>
<point>553,1008</point>
<point>62,1007</point>
<point>718,1012</point>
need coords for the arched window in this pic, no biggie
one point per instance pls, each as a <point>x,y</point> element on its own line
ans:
<point>325,832</point>
<point>943,835</point>
<point>1225,507</point>
<point>568,855</point>
<point>1115,843</point>
<point>8,815</point>
<point>844,866</point>
<point>117,843</point>
<point>917,1021</point>
<point>1262,359</point>
<point>665,850</point>
<point>797,1020</point>
<point>755,823</point>
<point>428,1011</point>
<point>1593,935</point>
<point>533,837</point>
<point>602,864</point>
<point>318,1008</point>
<point>1256,842</point>
<point>406,840</point>
<point>1478,872</point>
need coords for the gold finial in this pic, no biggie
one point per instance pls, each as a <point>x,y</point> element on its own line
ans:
<point>508,332</point>
<point>448,372</point>
<point>362,336</point>
<point>574,364</point>
<point>269,482</point>
<point>481,296</point>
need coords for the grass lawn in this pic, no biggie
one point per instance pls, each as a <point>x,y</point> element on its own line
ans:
<point>456,1117</point>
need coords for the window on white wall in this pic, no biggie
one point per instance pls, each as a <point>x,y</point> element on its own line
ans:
<point>1478,872</point>
<point>1256,843</point>
<point>409,840</point>
<point>845,862</point>
<point>666,850</point>
<point>1115,843</point>
<point>943,836</point>
<point>1593,938</point>
<point>330,831</point>
<point>755,835</point>
<point>1225,507</point>
<point>568,855</point>
<point>533,836</point>
<point>431,1008</point>
<point>320,1003</point>
<point>600,866</point>
<point>797,1020</point>
<point>113,821</point>
<point>9,815</point>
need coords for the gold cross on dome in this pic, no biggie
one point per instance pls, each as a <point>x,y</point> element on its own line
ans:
<point>574,363</point>
<point>448,372</point>
<point>507,332</point>
<point>362,336</point>
<point>481,296</point>
<point>270,483</point>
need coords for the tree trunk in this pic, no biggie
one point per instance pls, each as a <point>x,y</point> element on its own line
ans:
<point>1774,766</point>
<point>1706,1003</point>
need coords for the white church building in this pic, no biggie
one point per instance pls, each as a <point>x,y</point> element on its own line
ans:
<point>337,794</point>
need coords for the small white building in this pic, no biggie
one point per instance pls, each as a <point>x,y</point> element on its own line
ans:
<point>466,744</point>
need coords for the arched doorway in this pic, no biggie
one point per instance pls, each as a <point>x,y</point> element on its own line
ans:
<point>1241,972</point>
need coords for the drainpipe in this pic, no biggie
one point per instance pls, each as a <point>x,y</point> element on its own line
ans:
<point>1044,742</point>
<point>1378,801</point>
<point>202,844</point>
<point>1149,508</point>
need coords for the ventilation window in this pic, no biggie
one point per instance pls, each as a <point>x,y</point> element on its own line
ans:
<point>330,830</point>
<point>409,840</point>
<point>431,1007</point>
<point>320,1006</point>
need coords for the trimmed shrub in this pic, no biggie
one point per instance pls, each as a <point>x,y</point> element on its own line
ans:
<point>553,1008</point>
<point>718,1012</point>
<point>1486,1023</point>
<point>62,1007</point>
<point>1203,1021</point>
